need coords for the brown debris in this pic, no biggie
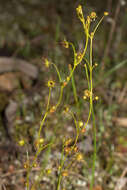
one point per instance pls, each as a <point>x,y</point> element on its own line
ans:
<point>121,121</point>
<point>8,82</point>
<point>14,64</point>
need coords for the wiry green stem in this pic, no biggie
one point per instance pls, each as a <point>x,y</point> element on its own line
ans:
<point>45,115</point>
<point>93,116</point>
<point>60,97</point>
<point>61,167</point>
<point>75,94</point>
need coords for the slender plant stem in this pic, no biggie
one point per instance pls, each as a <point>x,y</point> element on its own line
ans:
<point>64,157</point>
<point>87,76</point>
<point>77,130</point>
<point>98,25</point>
<point>87,118</point>
<point>42,123</point>
<point>95,147</point>
<point>93,116</point>
<point>58,73</point>
<point>28,173</point>
<point>61,167</point>
<point>75,94</point>
<point>46,113</point>
<point>60,97</point>
<point>35,158</point>
<point>48,99</point>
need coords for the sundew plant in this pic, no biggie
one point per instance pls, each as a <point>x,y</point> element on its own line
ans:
<point>70,154</point>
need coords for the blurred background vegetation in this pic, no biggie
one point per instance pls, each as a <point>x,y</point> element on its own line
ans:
<point>32,29</point>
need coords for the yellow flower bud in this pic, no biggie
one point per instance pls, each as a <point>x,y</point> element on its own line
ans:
<point>64,83</point>
<point>80,13</point>
<point>87,93</point>
<point>26,164</point>
<point>84,97</point>
<point>92,34</point>
<point>67,142</point>
<point>68,78</point>
<point>21,143</point>
<point>41,140</point>
<point>65,44</point>
<point>53,109</point>
<point>80,123</point>
<point>83,130</point>
<point>96,98</point>
<point>48,171</point>
<point>106,13</point>
<point>46,62</point>
<point>79,157</point>
<point>79,10</point>
<point>79,56</point>
<point>75,149</point>
<point>67,149</point>
<point>35,165</point>
<point>38,142</point>
<point>95,64</point>
<point>65,173</point>
<point>66,109</point>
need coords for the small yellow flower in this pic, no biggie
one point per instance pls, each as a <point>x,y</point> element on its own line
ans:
<point>26,164</point>
<point>65,173</point>
<point>21,143</point>
<point>48,171</point>
<point>96,98</point>
<point>67,142</point>
<point>95,64</point>
<point>65,44</point>
<point>68,78</point>
<point>51,84</point>
<point>46,62</point>
<point>52,109</point>
<point>93,15</point>
<point>84,97</point>
<point>35,165</point>
<point>66,109</point>
<point>80,123</point>
<point>79,56</point>
<point>87,93</point>
<point>83,130</point>
<point>75,149</point>
<point>64,83</point>
<point>79,157</point>
<point>106,13</point>
<point>67,149</point>
<point>41,140</point>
